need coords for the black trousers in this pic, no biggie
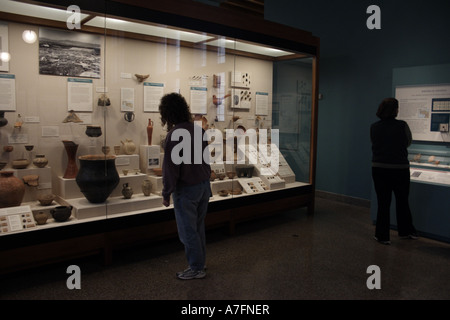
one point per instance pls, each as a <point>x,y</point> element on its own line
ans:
<point>386,182</point>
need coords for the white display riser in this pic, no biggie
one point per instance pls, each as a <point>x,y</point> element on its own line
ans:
<point>45,181</point>
<point>150,157</point>
<point>127,162</point>
<point>68,188</point>
<point>83,209</point>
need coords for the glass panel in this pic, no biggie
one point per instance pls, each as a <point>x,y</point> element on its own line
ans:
<point>86,92</point>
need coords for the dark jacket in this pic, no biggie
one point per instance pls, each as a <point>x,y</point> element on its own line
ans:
<point>193,171</point>
<point>390,140</point>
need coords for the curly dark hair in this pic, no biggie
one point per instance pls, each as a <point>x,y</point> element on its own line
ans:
<point>388,108</point>
<point>174,110</point>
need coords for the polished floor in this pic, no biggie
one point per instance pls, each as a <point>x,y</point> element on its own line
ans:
<point>289,256</point>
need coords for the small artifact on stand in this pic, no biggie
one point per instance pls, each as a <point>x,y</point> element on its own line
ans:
<point>146,187</point>
<point>127,191</point>
<point>40,217</point>
<point>106,149</point>
<point>46,200</point>
<point>19,122</point>
<point>20,163</point>
<point>117,150</point>
<point>72,117</point>
<point>103,101</point>
<point>8,148</point>
<point>141,77</point>
<point>40,161</point>
<point>61,213</point>
<point>93,131</point>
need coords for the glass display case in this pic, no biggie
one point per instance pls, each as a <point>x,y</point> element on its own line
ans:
<point>81,135</point>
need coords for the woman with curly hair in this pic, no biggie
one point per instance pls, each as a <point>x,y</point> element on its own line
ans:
<point>186,179</point>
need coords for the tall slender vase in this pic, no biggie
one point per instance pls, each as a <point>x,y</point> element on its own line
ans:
<point>150,131</point>
<point>71,150</point>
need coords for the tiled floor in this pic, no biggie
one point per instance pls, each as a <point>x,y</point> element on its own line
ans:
<point>289,256</point>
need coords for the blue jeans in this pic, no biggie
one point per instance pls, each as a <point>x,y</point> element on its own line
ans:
<point>190,205</point>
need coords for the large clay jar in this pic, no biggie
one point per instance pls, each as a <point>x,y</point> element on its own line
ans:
<point>72,168</point>
<point>12,190</point>
<point>97,177</point>
<point>150,131</point>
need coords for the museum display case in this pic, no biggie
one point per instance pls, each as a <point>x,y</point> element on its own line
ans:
<point>80,129</point>
<point>423,93</point>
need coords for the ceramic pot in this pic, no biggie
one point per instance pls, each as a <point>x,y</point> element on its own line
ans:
<point>149,131</point>
<point>12,190</point>
<point>93,131</point>
<point>146,187</point>
<point>40,161</point>
<point>128,146</point>
<point>40,217</point>
<point>8,148</point>
<point>3,120</point>
<point>46,200</point>
<point>20,163</point>
<point>72,168</point>
<point>97,177</point>
<point>127,191</point>
<point>61,213</point>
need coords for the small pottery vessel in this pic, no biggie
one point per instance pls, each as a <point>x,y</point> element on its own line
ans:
<point>213,176</point>
<point>40,161</point>
<point>125,172</point>
<point>93,131</point>
<point>146,187</point>
<point>46,200</point>
<point>223,193</point>
<point>128,146</point>
<point>20,163</point>
<point>106,149</point>
<point>221,176</point>
<point>117,150</point>
<point>40,217</point>
<point>61,213</point>
<point>127,191</point>
<point>8,148</point>
<point>12,190</point>
<point>231,174</point>
<point>29,147</point>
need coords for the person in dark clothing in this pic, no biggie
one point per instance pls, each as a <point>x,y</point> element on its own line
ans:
<point>186,175</point>
<point>390,171</point>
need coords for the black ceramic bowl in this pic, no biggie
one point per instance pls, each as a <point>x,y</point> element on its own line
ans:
<point>61,213</point>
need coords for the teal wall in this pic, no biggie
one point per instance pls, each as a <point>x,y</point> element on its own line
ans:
<point>356,72</point>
